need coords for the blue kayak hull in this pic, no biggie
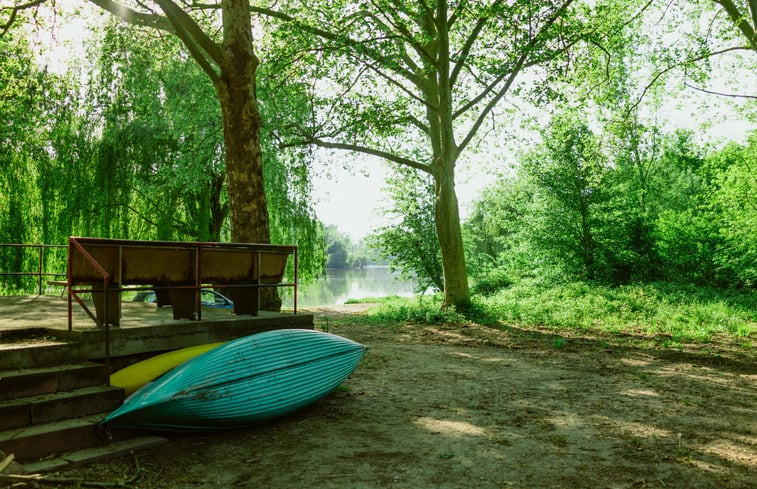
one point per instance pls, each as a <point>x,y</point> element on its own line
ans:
<point>243,382</point>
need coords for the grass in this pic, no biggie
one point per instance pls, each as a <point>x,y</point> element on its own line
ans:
<point>375,300</point>
<point>394,310</point>
<point>675,314</point>
<point>682,313</point>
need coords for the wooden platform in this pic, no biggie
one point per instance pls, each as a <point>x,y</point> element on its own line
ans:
<point>40,323</point>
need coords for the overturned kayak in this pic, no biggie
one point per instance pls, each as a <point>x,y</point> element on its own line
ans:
<point>135,376</point>
<point>242,382</point>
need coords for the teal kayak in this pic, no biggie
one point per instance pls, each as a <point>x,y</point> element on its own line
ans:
<point>243,382</point>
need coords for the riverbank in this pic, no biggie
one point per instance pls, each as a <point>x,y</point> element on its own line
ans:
<point>453,406</point>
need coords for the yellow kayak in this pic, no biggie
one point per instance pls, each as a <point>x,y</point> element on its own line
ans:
<point>135,376</point>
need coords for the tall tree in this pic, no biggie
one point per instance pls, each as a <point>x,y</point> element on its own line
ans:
<point>415,81</point>
<point>230,62</point>
<point>231,65</point>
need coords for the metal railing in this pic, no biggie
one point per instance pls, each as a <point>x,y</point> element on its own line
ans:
<point>72,294</point>
<point>40,272</point>
<point>112,280</point>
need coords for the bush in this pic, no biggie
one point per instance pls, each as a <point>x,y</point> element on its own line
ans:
<point>493,282</point>
<point>683,313</point>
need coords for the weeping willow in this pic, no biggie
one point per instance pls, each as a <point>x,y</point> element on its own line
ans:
<point>136,152</point>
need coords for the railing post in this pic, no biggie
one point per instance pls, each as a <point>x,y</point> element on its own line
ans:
<point>106,297</point>
<point>68,286</point>
<point>257,288</point>
<point>198,283</point>
<point>39,279</point>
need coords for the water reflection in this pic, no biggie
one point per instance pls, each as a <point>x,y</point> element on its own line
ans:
<point>340,285</point>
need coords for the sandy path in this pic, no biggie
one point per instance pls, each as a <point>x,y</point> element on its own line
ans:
<point>456,407</point>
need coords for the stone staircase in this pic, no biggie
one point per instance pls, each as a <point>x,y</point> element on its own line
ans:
<point>49,414</point>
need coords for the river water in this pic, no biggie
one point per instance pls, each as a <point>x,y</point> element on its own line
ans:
<point>339,285</point>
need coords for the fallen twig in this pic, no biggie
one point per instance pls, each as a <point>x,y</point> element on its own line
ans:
<point>6,462</point>
<point>43,479</point>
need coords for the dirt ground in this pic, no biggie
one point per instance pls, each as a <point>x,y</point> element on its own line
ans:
<point>458,407</point>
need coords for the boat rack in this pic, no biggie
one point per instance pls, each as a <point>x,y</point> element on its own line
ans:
<point>177,271</point>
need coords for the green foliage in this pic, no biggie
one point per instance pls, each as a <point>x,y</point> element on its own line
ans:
<point>287,179</point>
<point>686,242</point>
<point>647,206</point>
<point>160,155</point>
<point>733,200</point>
<point>29,105</point>
<point>411,244</point>
<point>407,310</point>
<point>568,173</point>
<point>681,313</point>
<point>337,245</point>
<point>376,300</point>
<point>492,233</point>
<point>491,283</point>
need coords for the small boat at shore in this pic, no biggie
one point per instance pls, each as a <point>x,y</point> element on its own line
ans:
<point>131,378</point>
<point>242,382</point>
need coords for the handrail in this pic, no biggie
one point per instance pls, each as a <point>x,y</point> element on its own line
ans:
<point>72,293</point>
<point>89,258</point>
<point>39,273</point>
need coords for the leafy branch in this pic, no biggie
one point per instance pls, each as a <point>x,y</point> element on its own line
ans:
<point>525,54</point>
<point>742,20</point>
<point>14,10</point>
<point>360,149</point>
<point>679,64</point>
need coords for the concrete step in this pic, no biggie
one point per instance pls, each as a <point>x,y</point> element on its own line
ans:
<point>33,442</point>
<point>43,408</point>
<point>91,455</point>
<point>23,382</point>
<point>40,354</point>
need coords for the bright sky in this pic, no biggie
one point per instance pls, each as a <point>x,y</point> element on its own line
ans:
<point>353,201</point>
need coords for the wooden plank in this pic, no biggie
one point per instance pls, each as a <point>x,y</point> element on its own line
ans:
<point>272,266</point>
<point>148,265</point>
<point>222,266</point>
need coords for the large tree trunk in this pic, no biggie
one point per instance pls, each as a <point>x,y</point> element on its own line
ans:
<point>456,291</point>
<point>445,154</point>
<point>241,128</point>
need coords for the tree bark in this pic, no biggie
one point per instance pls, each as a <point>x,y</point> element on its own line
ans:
<point>437,91</point>
<point>447,213</point>
<point>241,130</point>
